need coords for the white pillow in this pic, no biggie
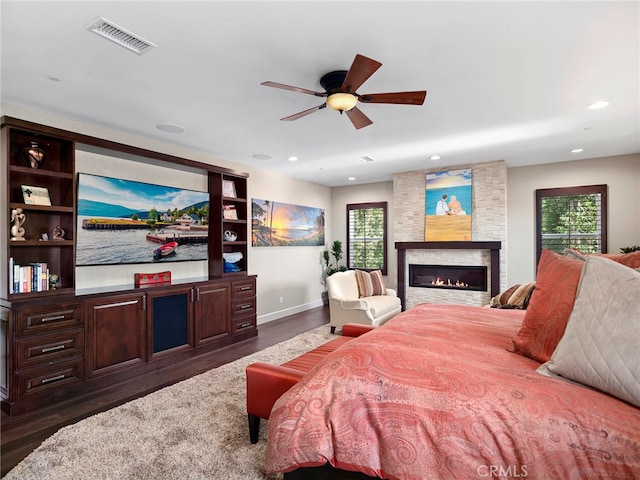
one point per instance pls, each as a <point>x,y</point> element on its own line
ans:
<point>600,344</point>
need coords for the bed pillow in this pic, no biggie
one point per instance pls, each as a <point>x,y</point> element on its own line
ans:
<point>631,259</point>
<point>550,306</point>
<point>370,283</point>
<point>516,296</point>
<point>599,346</point>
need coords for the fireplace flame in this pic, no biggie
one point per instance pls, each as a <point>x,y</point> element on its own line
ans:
<point>441,282</point>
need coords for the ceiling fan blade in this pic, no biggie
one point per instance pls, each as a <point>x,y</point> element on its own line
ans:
<point>294,89</point>
<point>406,98</point>
<point>361,69</point>
<point>304,113</point>
<point>358,118</point>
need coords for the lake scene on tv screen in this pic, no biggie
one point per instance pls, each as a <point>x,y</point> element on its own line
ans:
<point>124,221</point>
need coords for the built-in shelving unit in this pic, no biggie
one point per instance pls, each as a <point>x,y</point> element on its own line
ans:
<point>229,193</point>
<point>37,245</point>
<point>64,341</point>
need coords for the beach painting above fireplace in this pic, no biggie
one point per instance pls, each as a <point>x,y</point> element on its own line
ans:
<point>448,206</point>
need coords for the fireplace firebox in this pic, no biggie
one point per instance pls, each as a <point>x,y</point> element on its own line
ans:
<point>457,277</point>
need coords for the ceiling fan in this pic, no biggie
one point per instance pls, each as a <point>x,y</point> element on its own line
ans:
<point>340,89</point>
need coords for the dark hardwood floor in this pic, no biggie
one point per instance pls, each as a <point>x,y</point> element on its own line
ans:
<point>21,434</point>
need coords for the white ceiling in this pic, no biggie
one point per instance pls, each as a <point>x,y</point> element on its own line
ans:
<point>505,80</point>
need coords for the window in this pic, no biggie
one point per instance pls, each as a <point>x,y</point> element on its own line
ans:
<point>367,236</point>
<point>572,217</point>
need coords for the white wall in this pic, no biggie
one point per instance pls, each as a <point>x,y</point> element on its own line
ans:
<point>372,192</point>
<point>621,174</point>
<point>294,273</point>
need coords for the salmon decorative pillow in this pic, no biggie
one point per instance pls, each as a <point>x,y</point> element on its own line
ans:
<point>549,307</point>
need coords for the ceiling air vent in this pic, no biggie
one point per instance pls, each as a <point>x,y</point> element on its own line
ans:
<point>119,35</point>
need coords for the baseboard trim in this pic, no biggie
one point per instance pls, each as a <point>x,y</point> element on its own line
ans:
<point>270,317</point>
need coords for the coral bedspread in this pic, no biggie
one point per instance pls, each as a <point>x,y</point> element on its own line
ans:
<point>434,393</point>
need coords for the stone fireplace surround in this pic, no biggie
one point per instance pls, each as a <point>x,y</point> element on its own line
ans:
<point>493,270</point>
<point>489,185</point>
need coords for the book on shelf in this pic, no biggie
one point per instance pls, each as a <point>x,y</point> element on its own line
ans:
<point>28,278</point>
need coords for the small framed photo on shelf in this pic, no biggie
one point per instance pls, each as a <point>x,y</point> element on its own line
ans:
<point>229,212</point>
<point>228,189</point>
<point>36,195</point>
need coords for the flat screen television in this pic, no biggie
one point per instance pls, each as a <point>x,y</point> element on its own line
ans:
<point>123,222</point>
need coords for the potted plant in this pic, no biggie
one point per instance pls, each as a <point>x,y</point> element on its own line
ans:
<point>331,259</point>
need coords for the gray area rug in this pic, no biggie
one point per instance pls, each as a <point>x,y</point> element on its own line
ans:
<point>195,429</point>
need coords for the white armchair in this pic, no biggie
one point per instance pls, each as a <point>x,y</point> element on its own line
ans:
<point>346,306</point>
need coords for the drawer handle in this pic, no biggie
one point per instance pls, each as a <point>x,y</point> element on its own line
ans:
<point>245,325</point>
<point>52,379</point>
<point>52,349</point>
<point>119,304</point>
<point>51,319</point>
<point>244,306</point>
<point>245,288</point>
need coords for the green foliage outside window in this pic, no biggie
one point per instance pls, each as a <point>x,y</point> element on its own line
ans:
<point>572,217</point>
<point>367,231</point>
<point>571,221</point>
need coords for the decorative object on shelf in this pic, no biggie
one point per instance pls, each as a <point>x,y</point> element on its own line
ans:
<point>58,233</point>
<point>228,189</point>
<point>44,237</point>
<point>54,281</point>
<point>36,195</point>
<point>151,279</point>
<point>229,212</point>
<point>230,260</point>
<point>230,236</point>
<point>17,230</point>
<point>33,155</point>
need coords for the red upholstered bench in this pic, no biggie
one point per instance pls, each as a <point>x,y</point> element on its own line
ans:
<point>266,382</point>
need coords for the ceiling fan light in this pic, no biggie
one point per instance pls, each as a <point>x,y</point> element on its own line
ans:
<point>342,102</point>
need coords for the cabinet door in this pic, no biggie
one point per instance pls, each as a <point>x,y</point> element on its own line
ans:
<point>212,312</point>
<point>115,333</point>
<point>169,321</point>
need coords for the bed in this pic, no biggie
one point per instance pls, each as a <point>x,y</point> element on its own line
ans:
<point>453,391</point>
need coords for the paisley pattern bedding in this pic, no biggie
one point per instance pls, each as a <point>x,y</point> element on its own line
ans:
<point>435,394</point>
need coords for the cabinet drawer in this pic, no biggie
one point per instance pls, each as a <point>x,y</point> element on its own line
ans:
<point>36,320</point>
<point>244,288</point>
<point>49,348</point>
<point>245,323</point>
<point>41,380</point>
<point>244,306</point>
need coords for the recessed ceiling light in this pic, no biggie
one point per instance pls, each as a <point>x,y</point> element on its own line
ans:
<point>351,179</point>
<point>292,159</point>
<point>261,156</point>
<point>434,157</point>
<point>170,128</point>
<point>577,150</point>
<point>596,105</point>
<point>366,159</point>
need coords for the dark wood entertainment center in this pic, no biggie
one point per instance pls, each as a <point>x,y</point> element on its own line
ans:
<point>60,343</point>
